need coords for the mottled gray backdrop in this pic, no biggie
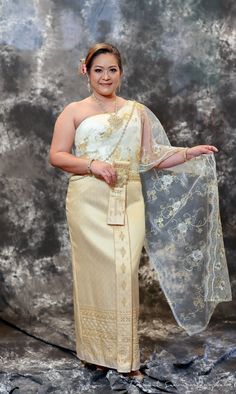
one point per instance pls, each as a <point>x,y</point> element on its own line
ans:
<point>179,59</point>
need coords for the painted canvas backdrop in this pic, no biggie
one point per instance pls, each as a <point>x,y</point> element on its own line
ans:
<point>179,60</point>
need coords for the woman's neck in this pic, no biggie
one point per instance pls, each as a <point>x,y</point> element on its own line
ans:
<point>107,98</point>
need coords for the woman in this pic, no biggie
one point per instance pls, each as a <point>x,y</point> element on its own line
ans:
<point>105,142</point>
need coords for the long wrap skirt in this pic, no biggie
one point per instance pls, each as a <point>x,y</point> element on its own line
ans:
<point>105,260</point>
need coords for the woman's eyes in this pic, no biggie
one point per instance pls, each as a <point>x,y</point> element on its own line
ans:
<point>99,70</point>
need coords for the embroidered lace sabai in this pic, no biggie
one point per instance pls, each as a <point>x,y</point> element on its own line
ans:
<point>183,229</point>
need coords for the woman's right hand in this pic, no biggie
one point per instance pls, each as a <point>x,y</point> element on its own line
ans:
<point>104,170</point>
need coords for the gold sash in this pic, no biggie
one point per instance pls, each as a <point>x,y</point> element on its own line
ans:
<point>117,196</point>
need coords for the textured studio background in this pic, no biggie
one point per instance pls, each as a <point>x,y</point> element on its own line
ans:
<point>179,59</point>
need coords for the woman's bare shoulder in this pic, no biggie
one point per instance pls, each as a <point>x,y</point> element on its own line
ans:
<point>77,105</point>
<point>76,110</point>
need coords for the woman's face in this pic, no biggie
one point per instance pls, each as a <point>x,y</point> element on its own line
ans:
<point>105,74</point>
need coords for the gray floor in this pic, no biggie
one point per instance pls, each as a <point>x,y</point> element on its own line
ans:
<point>173,362</point>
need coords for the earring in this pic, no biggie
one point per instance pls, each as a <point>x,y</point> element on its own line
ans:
<point>89,85</point>
<point>119,87</point>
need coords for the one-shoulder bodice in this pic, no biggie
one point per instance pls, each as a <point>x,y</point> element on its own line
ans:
<point>108,138</point>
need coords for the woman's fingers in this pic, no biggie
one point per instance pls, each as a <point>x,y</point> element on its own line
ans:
<point>110,175</point>
<point>107,177</point>
<point>209,149</point>
<point>202,149</point>
<point>212,148</point>
<point>105,171</point>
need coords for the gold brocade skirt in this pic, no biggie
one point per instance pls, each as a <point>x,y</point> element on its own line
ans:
<point>105,261</point>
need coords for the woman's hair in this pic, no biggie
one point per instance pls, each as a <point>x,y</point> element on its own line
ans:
<point>99,48</point>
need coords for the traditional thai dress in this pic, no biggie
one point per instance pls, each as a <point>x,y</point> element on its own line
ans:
<point>175,213</point>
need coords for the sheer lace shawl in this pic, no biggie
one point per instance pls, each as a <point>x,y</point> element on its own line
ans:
<point>183,230</point>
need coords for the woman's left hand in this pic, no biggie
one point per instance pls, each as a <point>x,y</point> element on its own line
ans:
<point>200,150</point>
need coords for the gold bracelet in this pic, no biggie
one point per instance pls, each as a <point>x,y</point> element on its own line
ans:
<point>89,166</point>
<point>185,154</point>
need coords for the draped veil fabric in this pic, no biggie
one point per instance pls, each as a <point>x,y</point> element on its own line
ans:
<point>183,230</point>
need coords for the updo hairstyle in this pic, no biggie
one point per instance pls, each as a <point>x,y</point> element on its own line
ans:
<point>100,48</point>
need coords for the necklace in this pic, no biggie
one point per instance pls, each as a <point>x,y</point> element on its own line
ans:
<point>122,134</point>
<point>109,156</point>
<point>101,104</point>
<point>114,120</point>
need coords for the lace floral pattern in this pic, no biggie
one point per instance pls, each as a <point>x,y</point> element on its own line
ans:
<point>183,231</point>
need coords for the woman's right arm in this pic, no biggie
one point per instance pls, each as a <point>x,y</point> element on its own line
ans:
<point>62,141</point>
<point>60,152</point>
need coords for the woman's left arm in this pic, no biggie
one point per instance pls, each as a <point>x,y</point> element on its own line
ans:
<point>187,154</point>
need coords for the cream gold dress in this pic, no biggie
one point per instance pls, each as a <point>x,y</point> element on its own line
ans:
<point>108,230</point>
